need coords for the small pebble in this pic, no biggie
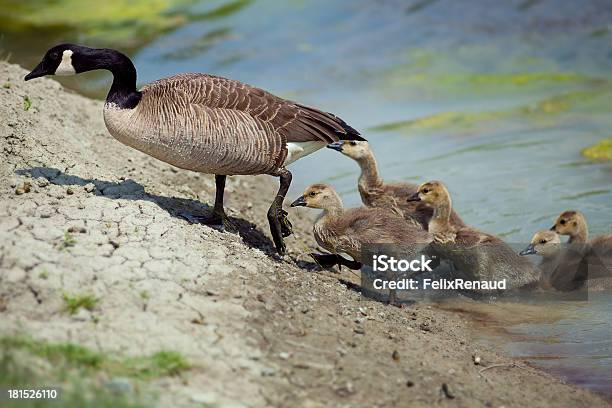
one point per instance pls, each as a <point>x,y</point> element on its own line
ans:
<point>69,191</point>
<point>268,372</point>
<point>395,355</point>
<point>476,360</point>
<point>25,188</point>
<point>359,330</point>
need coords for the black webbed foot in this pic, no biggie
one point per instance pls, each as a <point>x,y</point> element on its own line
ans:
<point>285,224</point>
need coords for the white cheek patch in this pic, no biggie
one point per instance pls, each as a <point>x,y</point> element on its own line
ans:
<point>65,67</point>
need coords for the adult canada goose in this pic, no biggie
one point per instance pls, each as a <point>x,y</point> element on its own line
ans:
<point>341,230</point>
<point>476,254</point>
<point>376,193</point>
<point>562,267</point>
<point>568,267</point>
<point>205,123</point>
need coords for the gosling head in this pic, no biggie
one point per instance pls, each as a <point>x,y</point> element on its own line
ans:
<point>355,149</point>
<point>318,196</point>
<point>431,192</point>
<point>570,222</point>
<point>545,243</point>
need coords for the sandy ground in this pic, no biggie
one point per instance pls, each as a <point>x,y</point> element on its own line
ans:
<point>258,330</point>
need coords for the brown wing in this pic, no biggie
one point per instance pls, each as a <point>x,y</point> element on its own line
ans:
<point>293,121</point>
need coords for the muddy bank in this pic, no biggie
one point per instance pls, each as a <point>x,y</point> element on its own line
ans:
<point>94,252</point>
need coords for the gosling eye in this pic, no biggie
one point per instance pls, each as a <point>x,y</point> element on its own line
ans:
<point>425,191</point>
<point>562,222</point>
<point>353,143</point>
<point>542,241</point>
<point>312,194</point>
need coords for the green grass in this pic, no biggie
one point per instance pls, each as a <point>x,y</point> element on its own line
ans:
<point>75,302</point>
<point>17,371</point>
<point>27,103</point>
<point>68,242</point>
<point>160,364</point>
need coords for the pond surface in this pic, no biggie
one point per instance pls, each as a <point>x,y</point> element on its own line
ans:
<point>497,99</point>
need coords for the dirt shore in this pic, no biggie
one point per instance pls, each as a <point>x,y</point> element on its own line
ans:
<point>82,216</point>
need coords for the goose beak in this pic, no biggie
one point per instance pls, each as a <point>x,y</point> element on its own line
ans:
<point>37,72</point>
<point>300,202</point>
<point>336,146</point>
<point>530,250</point>
<point>414,197</point>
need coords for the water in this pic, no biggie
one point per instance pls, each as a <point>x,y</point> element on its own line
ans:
<point>497,99</point>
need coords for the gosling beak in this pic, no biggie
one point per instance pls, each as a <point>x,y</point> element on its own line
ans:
<point>553,228</point>
<point>530,250</point>
<point>414,197</point>
<point>37,72</point>
<point>300,202</point>
<point>336,146</point>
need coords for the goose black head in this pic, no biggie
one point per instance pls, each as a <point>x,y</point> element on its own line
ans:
<point>70,59</point>
<point>63,59</point>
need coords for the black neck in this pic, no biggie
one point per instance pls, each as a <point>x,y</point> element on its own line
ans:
<point>123,91</point>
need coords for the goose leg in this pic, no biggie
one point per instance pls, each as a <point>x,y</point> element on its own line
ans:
<point>218,219</point>
<point>277,217</point>
<point>218,210</point>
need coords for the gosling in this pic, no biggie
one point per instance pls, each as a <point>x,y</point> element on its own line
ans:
<point>346,230</point>
<point>476,254</point>
<point>574,224</point>
<point>568,267</point>
<point>561,268</point>
<point>341,230</point>
<point>376,193</point>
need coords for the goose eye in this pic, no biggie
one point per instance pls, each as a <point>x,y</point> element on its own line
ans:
<point>562,222</point>
<point>353,143</point>
<point>542,241</point>
<point>53,55</point>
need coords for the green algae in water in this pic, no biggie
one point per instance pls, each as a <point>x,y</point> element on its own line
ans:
<point>542,111</point>
<point>599,151</point>
<point>114,22</point>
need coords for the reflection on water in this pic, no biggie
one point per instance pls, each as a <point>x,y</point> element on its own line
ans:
<point>497,102</point>
<point>568,338</point>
